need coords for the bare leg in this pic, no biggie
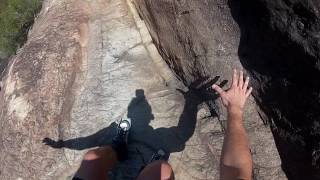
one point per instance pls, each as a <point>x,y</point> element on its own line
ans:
<point>157,170</point>
<point>96,164</point>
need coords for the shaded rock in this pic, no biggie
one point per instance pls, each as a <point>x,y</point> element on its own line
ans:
<point>280,47</point>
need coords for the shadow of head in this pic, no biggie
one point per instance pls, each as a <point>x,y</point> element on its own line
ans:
<point>139,110</point>
<point>140,93</point>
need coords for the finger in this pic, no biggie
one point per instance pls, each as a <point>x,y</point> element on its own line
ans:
<point>235,78</point>
<point>218,89</point>
<point>240,81</point>
<point>246,83</point>
<point>248,92</point>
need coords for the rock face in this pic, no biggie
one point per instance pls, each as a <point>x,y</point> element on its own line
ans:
<point>277,42</point>
<point>89,63</point>
<point>280,48</point>
<point>38,92</point>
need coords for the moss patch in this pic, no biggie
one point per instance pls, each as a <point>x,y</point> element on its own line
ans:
<point>16,17</point>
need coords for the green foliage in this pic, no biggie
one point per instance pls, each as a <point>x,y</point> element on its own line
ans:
<point>16,17</point>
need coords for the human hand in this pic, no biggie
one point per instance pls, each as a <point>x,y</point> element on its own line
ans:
<point>234,99</point>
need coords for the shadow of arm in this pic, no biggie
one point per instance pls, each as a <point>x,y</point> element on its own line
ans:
<point>100,138</point>
<point>200,91</point>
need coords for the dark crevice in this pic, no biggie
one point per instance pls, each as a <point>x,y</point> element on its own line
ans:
<point>284,65</point>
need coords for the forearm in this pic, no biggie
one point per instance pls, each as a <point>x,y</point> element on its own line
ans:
<point>236,153</point>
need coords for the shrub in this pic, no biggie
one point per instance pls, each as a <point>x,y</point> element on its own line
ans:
<point>16,17</point>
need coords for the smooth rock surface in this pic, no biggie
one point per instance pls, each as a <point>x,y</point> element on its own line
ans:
<point>89,63</point>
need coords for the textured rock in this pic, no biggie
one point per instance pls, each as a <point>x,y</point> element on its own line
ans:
<point>277,42</point>
<point>38,93</point>
<point>88,63</point>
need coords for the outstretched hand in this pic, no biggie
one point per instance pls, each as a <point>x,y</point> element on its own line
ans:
<point>236,96</point>
<point>236,160</point>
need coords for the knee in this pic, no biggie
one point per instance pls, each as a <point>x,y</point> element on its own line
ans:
<point>166,170</point>
<point>91,155</point>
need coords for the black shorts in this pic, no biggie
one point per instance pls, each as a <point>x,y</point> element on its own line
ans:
<point>75,178</point>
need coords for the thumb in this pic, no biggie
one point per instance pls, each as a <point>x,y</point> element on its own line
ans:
<point>218,89</point>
